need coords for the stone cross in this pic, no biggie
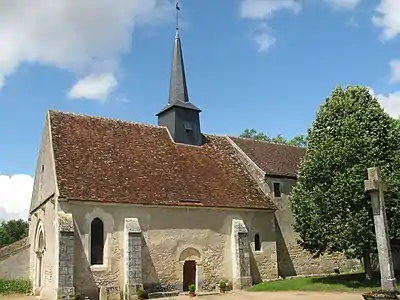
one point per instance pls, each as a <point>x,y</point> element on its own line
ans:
<point>375,187</point>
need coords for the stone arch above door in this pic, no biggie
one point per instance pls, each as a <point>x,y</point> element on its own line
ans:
<point>190,253</point>
<point>193,256</point>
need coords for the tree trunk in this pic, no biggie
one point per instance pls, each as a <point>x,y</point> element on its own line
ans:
<point>367,265</point>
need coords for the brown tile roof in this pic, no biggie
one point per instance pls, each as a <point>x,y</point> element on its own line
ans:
<point>274,159</point>
<point>109,160</point>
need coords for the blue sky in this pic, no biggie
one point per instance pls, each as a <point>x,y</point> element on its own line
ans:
<point>263,64</point>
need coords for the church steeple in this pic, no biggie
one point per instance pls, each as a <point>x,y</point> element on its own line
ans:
<point>178,91</point>
<point>180,116</point>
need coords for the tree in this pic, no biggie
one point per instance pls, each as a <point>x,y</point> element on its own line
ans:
<point>12,231</point>
<point>332,213</point>
<point>299,140</point>
<point>253,134</point>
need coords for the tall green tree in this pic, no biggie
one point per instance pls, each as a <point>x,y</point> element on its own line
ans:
<point>332,213</point>
<point>12,231</point>
<point>299,140</point>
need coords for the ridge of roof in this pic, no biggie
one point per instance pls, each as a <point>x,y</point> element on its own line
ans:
<point>101,118</point>
<point>266,142</point>
<point>53,111</point>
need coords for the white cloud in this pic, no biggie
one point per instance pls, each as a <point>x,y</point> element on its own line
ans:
<point>387,17</point>
<point>351,22</point>
<point>15,196</point>
<point>264,41</point>
<point>263,36</point>
<point>94,86</point>
<point>389,102</point>
<point>343,4</point>
<point>395,71</point>
<point>263,10</point>
<point>82,36</point>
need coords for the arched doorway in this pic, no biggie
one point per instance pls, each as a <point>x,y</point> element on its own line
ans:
<point>191,265</point>
<point>189,274</point>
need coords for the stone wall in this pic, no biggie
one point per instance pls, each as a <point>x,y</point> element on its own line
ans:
<point>45,219</point>
<point>45,180</point>
<point>167,236</point>
<point>292,259</point>
<point>14,260</point>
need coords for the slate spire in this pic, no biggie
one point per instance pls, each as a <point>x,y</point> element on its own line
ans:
<point>180,116</point>
<point>178,87</point>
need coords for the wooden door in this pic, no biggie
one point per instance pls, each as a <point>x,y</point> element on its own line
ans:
<point>189,274</point>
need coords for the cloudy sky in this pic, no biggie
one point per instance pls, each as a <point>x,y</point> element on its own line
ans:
<point>263,64</point>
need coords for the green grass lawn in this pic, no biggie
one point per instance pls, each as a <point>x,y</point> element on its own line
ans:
<point>344,283</point>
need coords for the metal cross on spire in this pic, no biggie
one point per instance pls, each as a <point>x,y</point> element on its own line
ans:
<point>177,14</point>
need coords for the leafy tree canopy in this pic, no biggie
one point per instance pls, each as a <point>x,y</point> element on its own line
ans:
<point>12,231</point>
<point>299,140</point>
<point>350,134</point>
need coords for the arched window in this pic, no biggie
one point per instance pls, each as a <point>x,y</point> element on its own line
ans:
<point>96,242</point>
<point>257,242</point>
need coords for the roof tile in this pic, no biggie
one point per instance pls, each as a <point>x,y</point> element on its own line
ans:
<point>274,159</point>
<point>107,160</point>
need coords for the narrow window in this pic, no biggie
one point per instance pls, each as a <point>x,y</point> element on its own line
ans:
<point>96,242</point>
<point>277,189</point>
<point>257,242</point>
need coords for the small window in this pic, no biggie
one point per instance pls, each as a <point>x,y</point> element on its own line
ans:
<point>277,189</point>
<point>42,168</point>
<point>188,127</point>
<point>257,242</point>
<point>96,242</point>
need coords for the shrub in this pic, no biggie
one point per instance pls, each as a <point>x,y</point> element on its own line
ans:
<point>192,288</point>
<point>222,285</point>
<point>17,286</point>
<point>142,294</point>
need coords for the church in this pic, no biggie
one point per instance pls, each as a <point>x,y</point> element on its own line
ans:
<point>117,205</point>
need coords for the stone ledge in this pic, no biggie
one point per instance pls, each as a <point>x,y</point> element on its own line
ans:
<point>156,295</point>
<point>132,225</point>
<point>65,222</point>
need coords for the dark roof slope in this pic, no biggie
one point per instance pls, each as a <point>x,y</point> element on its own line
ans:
<point>108,160</point>
<point>274,159</point>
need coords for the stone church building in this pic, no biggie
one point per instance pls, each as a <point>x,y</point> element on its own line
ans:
<point>118,204</point>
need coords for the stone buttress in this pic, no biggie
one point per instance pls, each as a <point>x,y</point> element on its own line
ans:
<point>133,257</point>
<point>66,288</point>
<point>240,255</point>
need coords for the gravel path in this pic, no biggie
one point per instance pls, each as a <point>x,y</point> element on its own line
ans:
<point>245,296</point>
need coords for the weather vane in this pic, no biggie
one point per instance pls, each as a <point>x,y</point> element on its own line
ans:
<point>177,14</point>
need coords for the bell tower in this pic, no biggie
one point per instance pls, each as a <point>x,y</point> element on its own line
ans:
<point>180,116</point>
